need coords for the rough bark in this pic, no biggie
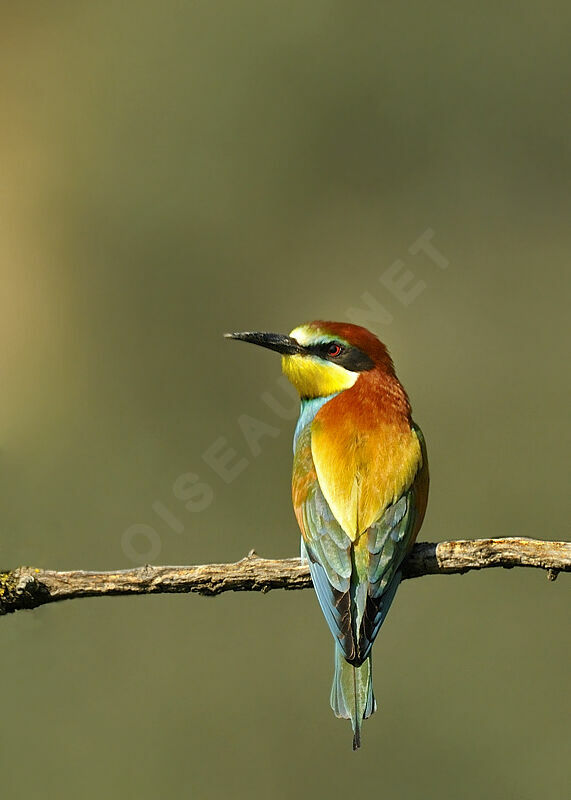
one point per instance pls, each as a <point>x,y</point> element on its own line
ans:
<point>28,587</point>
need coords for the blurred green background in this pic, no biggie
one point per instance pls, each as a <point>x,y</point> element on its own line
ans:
<point>173,170</point>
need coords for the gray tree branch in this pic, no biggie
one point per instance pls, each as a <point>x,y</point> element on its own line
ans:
<point>28,587</point>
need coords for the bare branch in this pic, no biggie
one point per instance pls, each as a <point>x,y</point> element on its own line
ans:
<point>26,587</point>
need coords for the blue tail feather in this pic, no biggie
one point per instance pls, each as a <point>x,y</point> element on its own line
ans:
<point>352,693</point>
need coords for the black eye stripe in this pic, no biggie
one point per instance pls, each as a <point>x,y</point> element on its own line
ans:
<point>350,358</point>
<point>321,349</point>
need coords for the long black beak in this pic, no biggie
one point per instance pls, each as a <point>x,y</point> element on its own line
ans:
<point>273,341</point>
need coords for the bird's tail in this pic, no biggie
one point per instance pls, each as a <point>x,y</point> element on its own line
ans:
<point>352,693</point>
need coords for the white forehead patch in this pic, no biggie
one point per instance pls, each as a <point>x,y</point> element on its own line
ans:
<point>303,335</point>
<point>307,334</point>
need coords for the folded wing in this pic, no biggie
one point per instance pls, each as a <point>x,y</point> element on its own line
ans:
<point>355,579</point>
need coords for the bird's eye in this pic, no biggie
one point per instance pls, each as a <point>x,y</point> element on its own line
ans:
<point>334,349</point>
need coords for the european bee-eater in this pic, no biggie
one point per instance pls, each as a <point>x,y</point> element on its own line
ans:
<point>359,488</point>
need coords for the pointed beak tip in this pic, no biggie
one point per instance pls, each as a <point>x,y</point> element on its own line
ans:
<point>273,341</point>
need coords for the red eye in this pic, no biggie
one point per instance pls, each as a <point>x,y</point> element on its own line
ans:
<point>334,349</point>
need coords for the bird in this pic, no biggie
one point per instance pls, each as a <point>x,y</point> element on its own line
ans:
<point>359,488</point>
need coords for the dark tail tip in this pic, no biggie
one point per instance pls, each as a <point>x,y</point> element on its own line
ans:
<point>356,739</point>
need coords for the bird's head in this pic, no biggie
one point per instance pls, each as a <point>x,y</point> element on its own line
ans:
<point>322,358</point>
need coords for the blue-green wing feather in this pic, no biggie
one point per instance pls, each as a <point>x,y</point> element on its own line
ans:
<point>353,609</point>
<point>328,550</point>
<point>389,541</point>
